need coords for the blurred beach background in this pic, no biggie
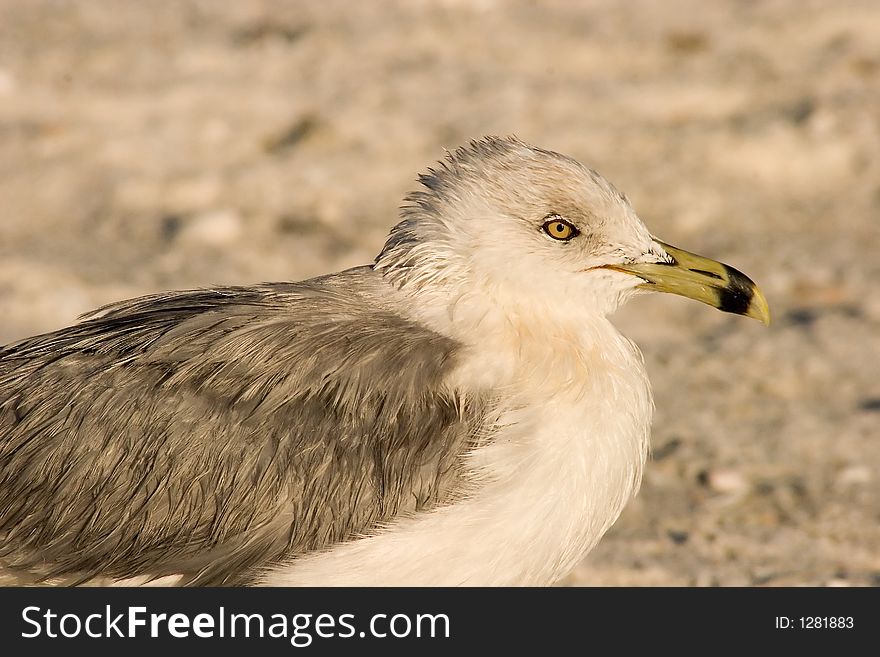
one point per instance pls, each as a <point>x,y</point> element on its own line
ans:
<point>147,146</point>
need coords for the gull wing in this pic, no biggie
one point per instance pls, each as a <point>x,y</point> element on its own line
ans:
<point>211,433</point>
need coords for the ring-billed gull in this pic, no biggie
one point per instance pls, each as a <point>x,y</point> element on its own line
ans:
<point>459,412</point>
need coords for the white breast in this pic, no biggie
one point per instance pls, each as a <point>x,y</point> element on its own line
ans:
<point>564,458</point>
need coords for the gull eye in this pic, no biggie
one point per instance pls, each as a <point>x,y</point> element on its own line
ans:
<point>559,229</point>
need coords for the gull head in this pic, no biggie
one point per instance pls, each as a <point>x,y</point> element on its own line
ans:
<point>539,229</point>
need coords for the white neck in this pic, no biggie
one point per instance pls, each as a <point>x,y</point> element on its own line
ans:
<point>565,455</point>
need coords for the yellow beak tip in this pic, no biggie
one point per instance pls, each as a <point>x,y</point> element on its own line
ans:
<point>759,308</point>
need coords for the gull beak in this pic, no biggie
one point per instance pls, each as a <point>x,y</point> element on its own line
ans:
<point>696,277</point>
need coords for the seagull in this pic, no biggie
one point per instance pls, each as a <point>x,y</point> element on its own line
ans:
<point>459,412</point>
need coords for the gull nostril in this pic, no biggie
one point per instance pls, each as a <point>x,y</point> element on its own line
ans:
<point>711,274</point>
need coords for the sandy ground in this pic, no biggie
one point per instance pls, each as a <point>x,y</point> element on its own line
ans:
<point>156,145</point>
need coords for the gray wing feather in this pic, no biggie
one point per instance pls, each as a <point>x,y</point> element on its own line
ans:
<point>213,432</point>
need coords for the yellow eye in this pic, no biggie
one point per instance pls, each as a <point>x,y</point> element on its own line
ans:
<point>559,229</point>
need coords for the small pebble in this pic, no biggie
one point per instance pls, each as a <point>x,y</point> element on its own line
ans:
<point>214,228</point>
<point>855,474</point>
<point>723,480</point>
